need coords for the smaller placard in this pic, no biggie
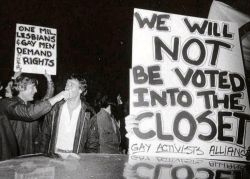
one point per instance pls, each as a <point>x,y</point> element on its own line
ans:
<point>35,49</point>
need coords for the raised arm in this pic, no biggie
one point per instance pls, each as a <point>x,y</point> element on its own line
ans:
<point>50,87</point>
<point>18,111</point>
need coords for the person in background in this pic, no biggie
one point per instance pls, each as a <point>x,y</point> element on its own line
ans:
<point>1,87</point>
<point>70,127</point>
<point>8,92</point>
<point>122,111</point>
<point>8,88</point>
<point>109,134</point>
<point>96,101</point>
<point>19,109</point>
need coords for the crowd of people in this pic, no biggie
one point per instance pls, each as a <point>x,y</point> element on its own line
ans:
<point>62,124</point>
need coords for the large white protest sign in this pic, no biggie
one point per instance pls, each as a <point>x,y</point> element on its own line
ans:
<point>187,88</point>
<point>35,49</point>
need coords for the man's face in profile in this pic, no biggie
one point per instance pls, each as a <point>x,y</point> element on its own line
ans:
<point>73,86</point>
<point>29,92</point>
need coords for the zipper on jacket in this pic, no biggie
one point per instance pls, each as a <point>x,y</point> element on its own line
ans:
<point>81,133</point>
<point>52,127</point>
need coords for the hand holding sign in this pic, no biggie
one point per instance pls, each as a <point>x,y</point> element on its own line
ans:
<point>47,76</point>
<point>130,124</point>
<point>17,74</point>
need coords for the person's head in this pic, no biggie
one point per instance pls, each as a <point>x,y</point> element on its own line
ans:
<point>77,86</point>
<point>108,103</point>
<point>8,89</point>
<point>1,86</point>
<point>25,87</point>
<point>1,91</point>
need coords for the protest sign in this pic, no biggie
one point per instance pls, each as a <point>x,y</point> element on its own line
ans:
<point>35,49</point>
<point>187,88</point>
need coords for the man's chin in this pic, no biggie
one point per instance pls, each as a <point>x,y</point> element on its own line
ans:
<point>68,99</point>
<point>31,99</point>
<point>8,95</point>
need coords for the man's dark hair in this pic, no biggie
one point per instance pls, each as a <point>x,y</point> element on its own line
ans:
<point>105,101</point>
<point>82,82</point>
<point>21,82</point>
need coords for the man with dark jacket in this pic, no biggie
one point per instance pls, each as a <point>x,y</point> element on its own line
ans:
<point>23,90</point>
<point>18,109</point>
<point>109,132</point>
<point>70,127</point>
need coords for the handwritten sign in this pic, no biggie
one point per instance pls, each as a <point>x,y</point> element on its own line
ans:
<point>35,49</point>
<point>187,88</point>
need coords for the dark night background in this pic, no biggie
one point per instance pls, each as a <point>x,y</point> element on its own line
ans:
<point>93,37</point>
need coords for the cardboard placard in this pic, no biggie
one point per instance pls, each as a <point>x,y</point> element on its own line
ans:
<point>35,49</point>
<point>187,88</point>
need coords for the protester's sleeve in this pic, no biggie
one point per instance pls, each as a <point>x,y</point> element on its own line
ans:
<point>92,144</point>
<point>23,112</point>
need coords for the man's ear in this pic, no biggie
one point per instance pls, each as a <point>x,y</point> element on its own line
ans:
<point>21,87</point>
<point>85,92</point>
